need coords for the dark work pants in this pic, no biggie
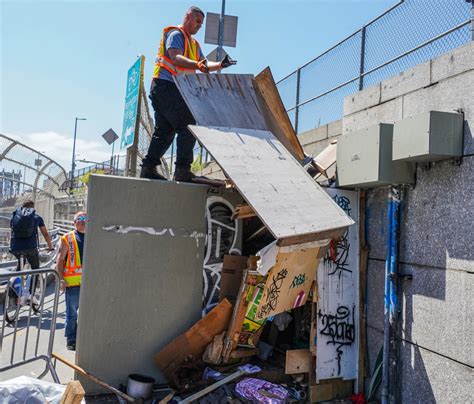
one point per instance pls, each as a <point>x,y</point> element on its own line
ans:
<point>172,116</point>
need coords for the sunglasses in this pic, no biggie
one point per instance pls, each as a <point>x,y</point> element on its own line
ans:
<point>82,219</point>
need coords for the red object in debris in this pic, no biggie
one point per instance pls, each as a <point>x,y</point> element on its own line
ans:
<point>358,398</point>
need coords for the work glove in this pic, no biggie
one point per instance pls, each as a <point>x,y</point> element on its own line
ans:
<point>226,62</point>
<point>202,66</point>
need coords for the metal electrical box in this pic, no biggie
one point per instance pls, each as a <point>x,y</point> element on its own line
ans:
<point>364,159</point>
<point>431,136</point>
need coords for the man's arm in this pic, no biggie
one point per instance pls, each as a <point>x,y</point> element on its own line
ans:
<point>176,55</point>
<point>60,263</point>
<point>175,49</point>
<point>44,232</point>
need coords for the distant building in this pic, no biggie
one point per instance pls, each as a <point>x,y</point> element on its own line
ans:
<point>9,183</point>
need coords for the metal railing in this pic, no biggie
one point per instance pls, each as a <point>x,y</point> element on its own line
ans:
<point>201,158</point>
<point>81,176</point>
<point>64,226</point>
<point>47,258</point>
<point>19,345</point>
<point>407,34</point>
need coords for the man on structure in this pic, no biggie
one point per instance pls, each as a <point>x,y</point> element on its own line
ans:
<point>69,267</point>
<point>179,53</point>
<point>24,226</point>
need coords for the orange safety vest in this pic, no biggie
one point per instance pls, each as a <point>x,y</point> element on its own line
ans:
<point>73,267</point>
<point>191,51</point>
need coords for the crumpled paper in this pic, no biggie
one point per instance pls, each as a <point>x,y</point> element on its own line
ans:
<point>25,389</point>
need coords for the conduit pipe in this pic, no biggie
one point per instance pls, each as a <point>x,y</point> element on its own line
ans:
<point>390,295</point>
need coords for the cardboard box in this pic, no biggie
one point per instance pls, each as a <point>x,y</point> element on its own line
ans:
<point>231,276</point>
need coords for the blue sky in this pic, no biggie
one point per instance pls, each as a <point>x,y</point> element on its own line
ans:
<point>61,59</point>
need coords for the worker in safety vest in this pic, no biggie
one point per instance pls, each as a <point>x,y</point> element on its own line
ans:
<point>179,53</point>
<point>69,267</point>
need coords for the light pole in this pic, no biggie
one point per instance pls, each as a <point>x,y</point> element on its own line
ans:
<point>73,165</point>
<point>220,37</point>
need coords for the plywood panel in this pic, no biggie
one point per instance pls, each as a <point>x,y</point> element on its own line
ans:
<point>221,100</point>
<point>338,307</point>
<point>274,184</point>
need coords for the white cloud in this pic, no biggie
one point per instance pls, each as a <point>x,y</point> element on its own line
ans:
<point>58,147</point>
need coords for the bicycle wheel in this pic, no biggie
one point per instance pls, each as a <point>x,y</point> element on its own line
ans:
<point>37,296</point>
<point>11,308</point>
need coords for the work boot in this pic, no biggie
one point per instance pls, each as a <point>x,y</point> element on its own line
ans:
<point>185,175</point>
<point>151,173</point>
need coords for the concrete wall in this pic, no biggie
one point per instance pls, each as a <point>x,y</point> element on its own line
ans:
<point>437,237</point>
<point>139,290</point>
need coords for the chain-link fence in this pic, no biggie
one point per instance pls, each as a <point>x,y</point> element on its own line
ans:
<point>409,33</point>
<point>26,174</point>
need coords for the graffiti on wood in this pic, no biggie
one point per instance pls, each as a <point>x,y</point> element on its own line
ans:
<point>338,287</point>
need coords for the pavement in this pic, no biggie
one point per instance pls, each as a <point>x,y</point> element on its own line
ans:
<point>38,334</point>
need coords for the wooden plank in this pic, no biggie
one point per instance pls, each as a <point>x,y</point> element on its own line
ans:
<point>238,315</point>
<point>307,238</point>
<point>212,387</point>
<point>221,100</point>
<point>73,394</point>
<point>90,376</point>
<point>194,341</point>
<point>243,211</point>
<point>275,113</point>
<point>244,353</point>
<point>288,201</point>
<point>298,361</point>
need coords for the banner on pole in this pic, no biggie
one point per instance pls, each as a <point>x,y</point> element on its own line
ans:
<point>131,103</point>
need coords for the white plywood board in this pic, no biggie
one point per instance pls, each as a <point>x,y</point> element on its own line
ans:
<point>275,185</point>
<point>337,345</point>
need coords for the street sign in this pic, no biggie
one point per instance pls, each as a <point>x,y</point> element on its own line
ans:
<point>212,57</point>
<point>212,30</point>
<point>110,136</point>
<point>131,104</point>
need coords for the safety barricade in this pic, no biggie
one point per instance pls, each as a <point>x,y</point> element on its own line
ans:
<point>29,309</point>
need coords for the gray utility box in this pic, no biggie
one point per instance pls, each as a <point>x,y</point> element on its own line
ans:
<point>428,137</point>
<point>364,159</point>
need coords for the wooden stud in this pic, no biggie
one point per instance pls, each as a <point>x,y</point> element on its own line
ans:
<point>243,211</point>
<point>275,114</point>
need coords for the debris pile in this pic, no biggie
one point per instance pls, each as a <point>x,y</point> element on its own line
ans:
<point>256,338</point>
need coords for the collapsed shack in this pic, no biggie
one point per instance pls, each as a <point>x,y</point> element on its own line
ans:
<point>260,289</point>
